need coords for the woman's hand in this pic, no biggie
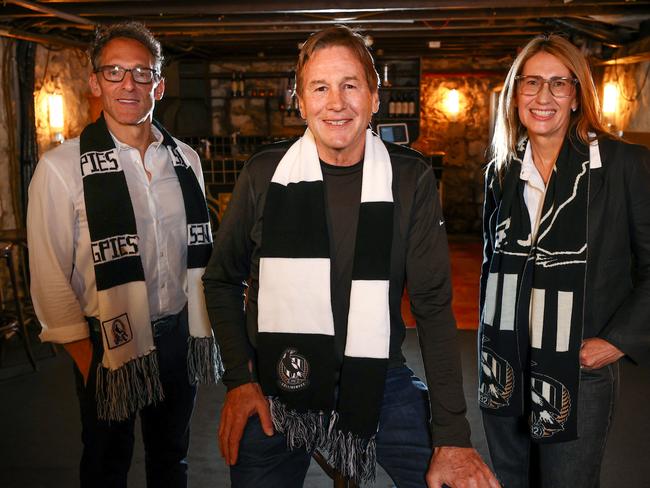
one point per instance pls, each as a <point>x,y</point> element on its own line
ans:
<point>596,353</point>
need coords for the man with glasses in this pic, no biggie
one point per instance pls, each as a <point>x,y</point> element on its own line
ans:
<point>119,235</point>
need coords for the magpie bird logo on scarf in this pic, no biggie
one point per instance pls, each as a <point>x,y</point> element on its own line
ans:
<point>117,331</point>
<point>293,371</point>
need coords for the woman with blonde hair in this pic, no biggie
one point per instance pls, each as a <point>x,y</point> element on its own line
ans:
<point>566,227</point>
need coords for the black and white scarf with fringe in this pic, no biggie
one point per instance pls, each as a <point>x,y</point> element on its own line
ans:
<point>533,304</point>
<point>297,363</point>
<point>128,377</point>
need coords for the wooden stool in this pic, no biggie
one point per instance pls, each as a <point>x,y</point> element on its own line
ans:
<point>13,320</point>
<point>339,480</point>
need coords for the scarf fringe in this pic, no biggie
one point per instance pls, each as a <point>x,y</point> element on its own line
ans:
<point>204,365</point>
<point>354,457</point>
<point>134,385</point>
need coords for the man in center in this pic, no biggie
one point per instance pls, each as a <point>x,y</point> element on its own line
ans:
<point>304,289</point>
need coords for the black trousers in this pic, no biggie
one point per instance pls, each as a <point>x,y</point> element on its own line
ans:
<point>108,446</point>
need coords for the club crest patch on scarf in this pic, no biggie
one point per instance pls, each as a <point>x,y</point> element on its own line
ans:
<point>117,331</point>
<point>293,371</point>
<point>551,405</point>
<point>497,380</point>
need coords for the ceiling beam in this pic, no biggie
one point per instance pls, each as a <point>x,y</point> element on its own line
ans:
<point>635,52</point>
<point>611,39</point>
<point>311,25</point>
<point>345,8</point>
<point>376,32</point>
<point>41,38</point>
<point>188,15</point>
<point>38,7</point>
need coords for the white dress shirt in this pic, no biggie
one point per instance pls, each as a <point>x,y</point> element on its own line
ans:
<point>534,191</point>
<point>62,273</point>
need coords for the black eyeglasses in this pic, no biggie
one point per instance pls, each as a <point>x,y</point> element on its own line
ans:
<point>560,86</point>
<point>116,73</point>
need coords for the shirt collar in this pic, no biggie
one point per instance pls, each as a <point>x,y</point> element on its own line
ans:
<point>157,135</point>
<point>529,172</point>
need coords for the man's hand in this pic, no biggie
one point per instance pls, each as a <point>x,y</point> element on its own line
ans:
<point>596,353</point>
<point>82,354</point>
<point>459,467</point>
<point>240,404</point>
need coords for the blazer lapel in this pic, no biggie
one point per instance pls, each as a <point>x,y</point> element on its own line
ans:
<point>597,158</point>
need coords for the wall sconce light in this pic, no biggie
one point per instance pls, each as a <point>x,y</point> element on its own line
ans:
<point>610,102</point>
<point>452,104</point>
<point>55,110</point>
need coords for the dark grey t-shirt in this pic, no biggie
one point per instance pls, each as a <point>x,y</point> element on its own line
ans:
<point>343,195</point>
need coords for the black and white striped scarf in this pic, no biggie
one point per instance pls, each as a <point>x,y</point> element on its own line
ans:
<point>533,304</point>
<point>297,364</point>
<point>127,378</point>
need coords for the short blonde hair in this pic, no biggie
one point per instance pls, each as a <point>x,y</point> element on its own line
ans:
<point>508,129</point>
<point>337,36</point>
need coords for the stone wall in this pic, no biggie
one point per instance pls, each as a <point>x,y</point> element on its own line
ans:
<point>463,138</point>
<point>63,71</point>
<point>633,112</point>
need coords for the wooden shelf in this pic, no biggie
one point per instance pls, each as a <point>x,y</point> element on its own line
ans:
<point>404,78</point>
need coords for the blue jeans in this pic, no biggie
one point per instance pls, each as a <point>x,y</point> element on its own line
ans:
<point>520,463</point>
<point>403,442</point>
<point>108,446</point>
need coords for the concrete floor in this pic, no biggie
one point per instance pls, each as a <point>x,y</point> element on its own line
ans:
<point>39,426</point>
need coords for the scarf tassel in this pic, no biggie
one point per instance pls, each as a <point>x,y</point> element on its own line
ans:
<point>354,457</point>
<point>204,365</point>
<point>122,392</point>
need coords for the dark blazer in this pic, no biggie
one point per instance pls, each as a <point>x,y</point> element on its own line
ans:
<point>617,305</point>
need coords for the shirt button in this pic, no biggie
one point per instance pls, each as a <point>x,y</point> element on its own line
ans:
<point>162,254</point>
<point>164,285</point>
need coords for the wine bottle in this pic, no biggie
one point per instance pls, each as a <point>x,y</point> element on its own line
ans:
<point>241,88</point>
<point>411,110</point>
<point>233,85</point>
<point>391,107</point>
<point>288,96</point>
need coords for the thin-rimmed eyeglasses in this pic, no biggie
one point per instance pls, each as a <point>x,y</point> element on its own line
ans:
<point>560,86</point>
<point>116,73</point>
